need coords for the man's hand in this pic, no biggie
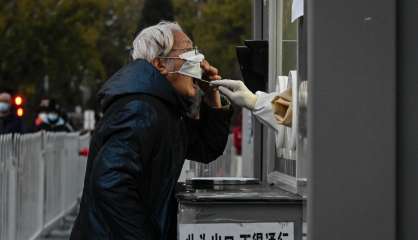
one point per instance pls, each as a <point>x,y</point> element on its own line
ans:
<point>212,96</point>
<point>237,92</point>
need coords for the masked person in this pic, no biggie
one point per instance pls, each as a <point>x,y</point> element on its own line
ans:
<point>140,144</point>
<point>9,122</point>
<point>272,109</point>
<point>49,118</point>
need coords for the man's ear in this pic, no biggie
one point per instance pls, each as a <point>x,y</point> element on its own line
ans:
<point>158,64</point>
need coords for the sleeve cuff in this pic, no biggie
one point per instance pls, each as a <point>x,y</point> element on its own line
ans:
<point>264,100</point>
<point>263,109</point>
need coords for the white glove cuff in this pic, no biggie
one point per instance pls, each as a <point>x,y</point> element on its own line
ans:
<point>263,109</point>
<point>264,100</point>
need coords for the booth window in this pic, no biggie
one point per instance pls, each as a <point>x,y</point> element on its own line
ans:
<point>289,43</point>
<point>287,54</point>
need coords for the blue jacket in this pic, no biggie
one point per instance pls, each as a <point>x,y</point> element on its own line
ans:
<point>137,153</point>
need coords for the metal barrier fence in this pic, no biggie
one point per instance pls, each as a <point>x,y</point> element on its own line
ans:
<point>41,179</point>
<point>229,164</point>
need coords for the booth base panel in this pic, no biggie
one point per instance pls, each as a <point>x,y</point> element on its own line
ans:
<point>218,215</point>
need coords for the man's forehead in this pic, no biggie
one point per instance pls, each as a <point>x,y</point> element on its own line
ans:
<point>5,97</point>
<point>181,40</point>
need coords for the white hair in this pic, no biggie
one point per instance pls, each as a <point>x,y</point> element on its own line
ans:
<point>155,41</point>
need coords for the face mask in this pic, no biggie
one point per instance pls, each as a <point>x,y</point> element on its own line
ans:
<point>42,116</point>
<point>4,107</point>
<point>52,117</point>
<point>191,66</point>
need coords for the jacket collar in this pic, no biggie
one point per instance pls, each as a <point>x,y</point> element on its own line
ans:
<point>140,77</point>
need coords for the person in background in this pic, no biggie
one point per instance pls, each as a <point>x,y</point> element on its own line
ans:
<point>49,118</point>
<point>9,121</point>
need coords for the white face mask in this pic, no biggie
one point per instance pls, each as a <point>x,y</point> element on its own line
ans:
<point>191,66</point>
<point>52,116</point>
<point>4,107</point>
<point>43,116</point>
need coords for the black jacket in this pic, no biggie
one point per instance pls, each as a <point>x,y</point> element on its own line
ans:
<point>137,153</point>
<point>10,124</point>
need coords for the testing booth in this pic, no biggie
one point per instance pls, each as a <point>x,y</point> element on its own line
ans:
<point>345,169</point>
<point>261,195</point>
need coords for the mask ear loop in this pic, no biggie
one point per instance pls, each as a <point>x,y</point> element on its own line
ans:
<point>172,72</point>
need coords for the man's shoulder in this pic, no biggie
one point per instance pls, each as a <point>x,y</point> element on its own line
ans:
<point>140,103</point>
<point>138,109</point>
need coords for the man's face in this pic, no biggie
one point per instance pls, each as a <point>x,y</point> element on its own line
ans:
<point>184,85</point>
<point>5,101</point>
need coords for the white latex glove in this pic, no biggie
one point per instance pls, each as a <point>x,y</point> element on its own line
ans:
<point>236,92</point>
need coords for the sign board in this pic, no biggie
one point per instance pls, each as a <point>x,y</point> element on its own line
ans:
<point>237,231</point>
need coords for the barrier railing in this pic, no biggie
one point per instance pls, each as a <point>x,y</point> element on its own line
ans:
<point>41,179</point>
<point>229,164</point>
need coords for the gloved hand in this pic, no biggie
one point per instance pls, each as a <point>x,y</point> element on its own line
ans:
<point>236,92</point>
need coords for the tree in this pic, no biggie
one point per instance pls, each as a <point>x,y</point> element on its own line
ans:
<point>186,13</point>
<point>70,44</point>
<point>116,37</point>
<point>217,26</point>
<point>154,11</point>
<point>50,42</point>
<point>75,45</point>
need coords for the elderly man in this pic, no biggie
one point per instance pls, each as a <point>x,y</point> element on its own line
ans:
<point>139,146</point>
<point>9,122</point>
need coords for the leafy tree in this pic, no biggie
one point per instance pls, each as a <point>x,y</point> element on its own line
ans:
<point>75,45</point>
<point>217,26</point>
<point>154,11</point>
<point>70,44</point>
<point>186,14</point>
<point>116,37</point>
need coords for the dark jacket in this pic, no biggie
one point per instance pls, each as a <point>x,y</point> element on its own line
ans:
<point>10,124</point>
<point>137,153</point>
